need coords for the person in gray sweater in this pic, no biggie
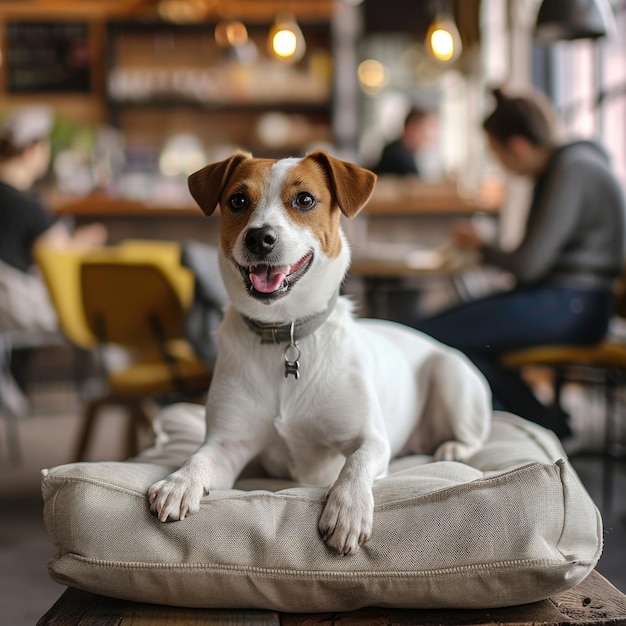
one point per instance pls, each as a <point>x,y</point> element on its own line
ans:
<point>565,267</point>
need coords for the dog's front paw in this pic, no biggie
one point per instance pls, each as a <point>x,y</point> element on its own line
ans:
<point>455,451</point>
<point>347,520</point>
<point>175,497</point>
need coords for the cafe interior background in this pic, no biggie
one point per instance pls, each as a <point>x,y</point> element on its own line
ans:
<point>147,91</point>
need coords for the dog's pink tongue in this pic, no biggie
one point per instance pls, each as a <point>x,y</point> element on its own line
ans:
<point>267,278</point>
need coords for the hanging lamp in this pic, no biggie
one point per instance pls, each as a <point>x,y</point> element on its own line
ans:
<point>285,40</point>
<point>562,20</point>
<point>443,40</point>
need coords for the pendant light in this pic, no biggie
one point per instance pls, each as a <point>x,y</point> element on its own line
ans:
<point>286,41</point>
<point>443,41</point>
<point>559,20</point>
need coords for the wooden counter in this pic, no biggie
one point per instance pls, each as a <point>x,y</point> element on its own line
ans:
<point>97,206</point>
<point>391,197</point>
<point>400,211</point>
<point>125,218</point>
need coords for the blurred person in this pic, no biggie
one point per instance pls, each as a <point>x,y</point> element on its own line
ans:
<point>399,157</point>
<point>565,266</point>
<point>26,223</point>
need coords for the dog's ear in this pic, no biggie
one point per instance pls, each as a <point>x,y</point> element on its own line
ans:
<point>353,185</point>
<point>206,185</point>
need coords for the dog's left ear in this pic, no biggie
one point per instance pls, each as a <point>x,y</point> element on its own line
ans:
<point>353,185</point>
<point>206,185</point>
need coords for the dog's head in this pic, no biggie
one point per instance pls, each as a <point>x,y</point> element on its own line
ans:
<point>282,251</point>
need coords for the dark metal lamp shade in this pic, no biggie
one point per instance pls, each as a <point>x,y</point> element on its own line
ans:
<point>560,20</point>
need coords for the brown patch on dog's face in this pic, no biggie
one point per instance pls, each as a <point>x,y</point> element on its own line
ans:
<point>247,187</point>
<point>307,198</point>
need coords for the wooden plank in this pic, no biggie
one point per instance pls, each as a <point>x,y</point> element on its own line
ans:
<point>372,616</point>
<point>537,613</point>
<point>594,601</point>
<point>152,615</point>
<point>78,608</point>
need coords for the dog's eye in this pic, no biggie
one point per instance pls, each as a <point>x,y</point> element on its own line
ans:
<point>304,201</point>
<point>238,202</point>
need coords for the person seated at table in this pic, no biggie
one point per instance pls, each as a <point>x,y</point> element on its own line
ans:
<point>399,157</point>
<point>25,223</point>
<point>565,266</point>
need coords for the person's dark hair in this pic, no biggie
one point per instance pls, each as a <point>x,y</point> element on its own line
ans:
<point>9,151</point>
<point>528,116</point>
<point>416,114</point>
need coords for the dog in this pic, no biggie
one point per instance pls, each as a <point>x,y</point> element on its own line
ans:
<point>315,393</point>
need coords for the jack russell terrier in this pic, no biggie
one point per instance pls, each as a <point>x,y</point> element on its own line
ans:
<point>316,394</point>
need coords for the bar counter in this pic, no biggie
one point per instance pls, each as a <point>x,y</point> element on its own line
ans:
<point>392,196</point>
<point>401,211</point>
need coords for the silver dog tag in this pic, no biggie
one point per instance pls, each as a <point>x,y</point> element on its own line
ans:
<point>292,354</point>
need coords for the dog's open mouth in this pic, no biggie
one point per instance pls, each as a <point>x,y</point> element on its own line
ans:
<point>268,281</point>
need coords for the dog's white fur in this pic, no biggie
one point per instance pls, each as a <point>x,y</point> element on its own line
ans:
<point>368,391</point>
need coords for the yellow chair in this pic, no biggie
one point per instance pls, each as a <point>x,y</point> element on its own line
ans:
<point>602,365</point>
<point>136,299</point>
<point>60,269</point>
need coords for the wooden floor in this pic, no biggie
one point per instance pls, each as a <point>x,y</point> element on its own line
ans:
<point>593,602</point>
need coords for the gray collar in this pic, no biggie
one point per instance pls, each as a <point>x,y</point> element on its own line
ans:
<point>282,333</point>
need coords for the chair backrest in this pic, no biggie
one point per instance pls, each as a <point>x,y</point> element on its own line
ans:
<point>165,254</point>
<point>60,269</point>
<point>130,303</point>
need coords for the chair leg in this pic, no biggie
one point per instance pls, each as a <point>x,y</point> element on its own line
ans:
<point>558,388</point>
<point>14,449</point>
<point>89,419</point>
<point>608,461</point>
<point>131,443</point>
<point>140,417</point>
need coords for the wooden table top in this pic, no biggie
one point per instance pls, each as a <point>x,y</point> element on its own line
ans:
<point>383,262</point>
<point>594,602</point>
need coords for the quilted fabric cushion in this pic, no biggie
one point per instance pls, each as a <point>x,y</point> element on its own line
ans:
<point>511,526</point>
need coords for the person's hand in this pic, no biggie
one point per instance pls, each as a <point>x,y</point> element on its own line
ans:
<point>90,235</point>
<point>466,236</point>
<point>59,236</point>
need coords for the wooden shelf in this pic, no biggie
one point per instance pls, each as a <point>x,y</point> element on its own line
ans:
<point>166,103</point>
<point>165,79</point>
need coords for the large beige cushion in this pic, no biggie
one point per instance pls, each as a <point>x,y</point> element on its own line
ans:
<point>513,525</point>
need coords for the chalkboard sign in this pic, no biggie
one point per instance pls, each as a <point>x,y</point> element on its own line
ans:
<point>48,57</point>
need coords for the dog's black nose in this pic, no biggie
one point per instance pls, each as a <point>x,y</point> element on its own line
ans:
<point>260,241</point>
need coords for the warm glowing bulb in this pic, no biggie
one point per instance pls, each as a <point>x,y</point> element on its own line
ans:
<point>443,40</point>
<point>442,44</point>
<point>285,40</point>
<point>372,76</point>
<point>284,43</point>
<point>231,33</point>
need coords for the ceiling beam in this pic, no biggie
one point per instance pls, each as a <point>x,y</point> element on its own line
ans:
<point>245,10</point>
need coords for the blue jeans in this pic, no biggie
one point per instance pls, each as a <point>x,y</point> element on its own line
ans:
<point>547,314</point>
